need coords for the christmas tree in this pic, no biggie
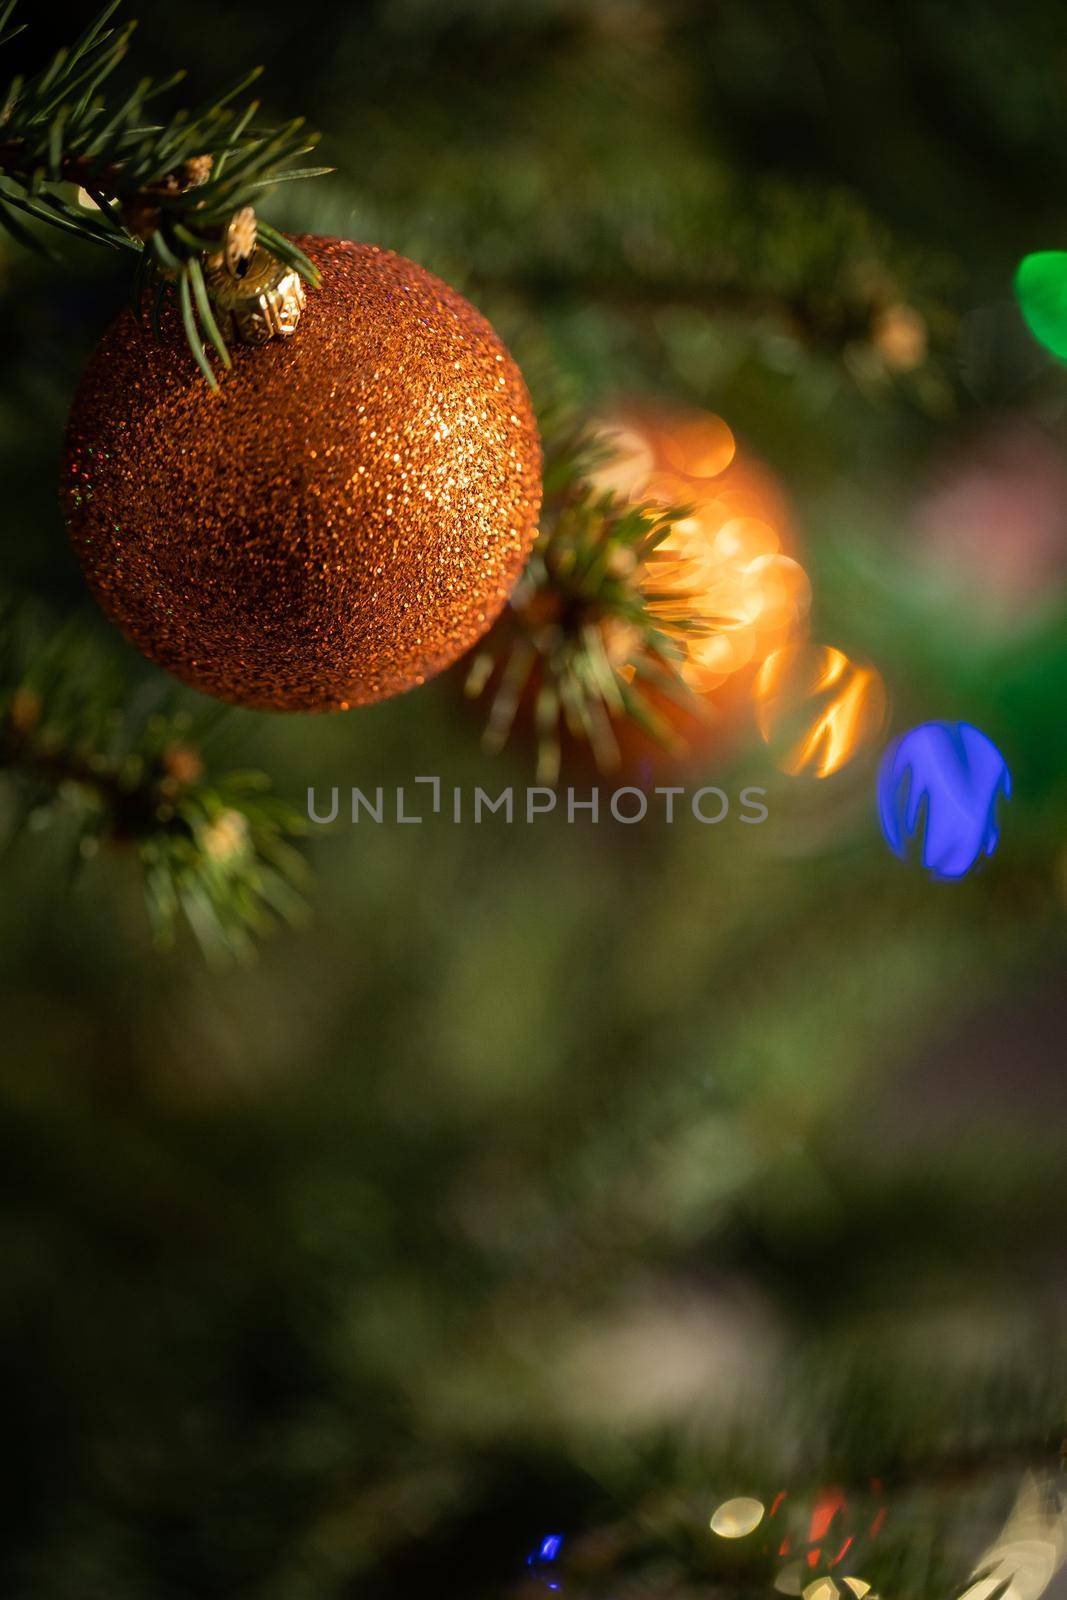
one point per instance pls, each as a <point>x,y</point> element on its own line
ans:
<point>535,1199</point>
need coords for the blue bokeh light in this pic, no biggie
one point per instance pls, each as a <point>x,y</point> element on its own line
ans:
<point>940,784</point>
<point>543,1555</point>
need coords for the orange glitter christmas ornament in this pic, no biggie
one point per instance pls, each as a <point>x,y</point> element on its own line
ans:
<point>344,519</point>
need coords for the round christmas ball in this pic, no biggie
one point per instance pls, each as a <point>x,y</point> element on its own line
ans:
<point>341,521</point>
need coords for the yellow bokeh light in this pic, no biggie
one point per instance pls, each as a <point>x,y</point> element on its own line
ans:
<point>776,591</point>
<point>699,446</point>
<point>731,579</point>
<point>736,1518</point>
<point>826,1589</point>
<point>720,581</point>
<point>819,706</point>
<point>742,539</point>
<point>1028,1553</point>
<point>628,467</point>
<point>821,1589</point>
<point>901,337</point>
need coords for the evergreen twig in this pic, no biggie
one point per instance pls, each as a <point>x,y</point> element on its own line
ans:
<point>214,850</point>
<point>586,639</point>
<point>164,189</point>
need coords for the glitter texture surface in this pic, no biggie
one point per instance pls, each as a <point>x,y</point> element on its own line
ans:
<point>343,520</point>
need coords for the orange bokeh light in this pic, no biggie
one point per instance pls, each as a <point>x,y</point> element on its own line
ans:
<point>819,707</point>
<point>722,567</point>
<point>698,446</point>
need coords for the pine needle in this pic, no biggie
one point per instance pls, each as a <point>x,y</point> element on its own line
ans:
<point>168,189</point>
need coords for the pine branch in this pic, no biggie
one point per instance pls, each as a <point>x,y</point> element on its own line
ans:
<point>213,850</point>
<point>587,640</point>
<point>165,190</point>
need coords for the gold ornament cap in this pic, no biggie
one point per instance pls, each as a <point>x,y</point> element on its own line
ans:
<point>257,296</point>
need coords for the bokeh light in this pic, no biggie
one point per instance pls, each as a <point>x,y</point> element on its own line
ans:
<point>1041,290</point>
<point>817,707</point>
<point>723,566</point>
<point>737,1518</point>
<point>828,1589</point>
<point>543,1558</point>
<point>1030,1550</point>
<point>901,337</point>
<point>990,529</point>
<point>700,446</point>
<point>939,788</point>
